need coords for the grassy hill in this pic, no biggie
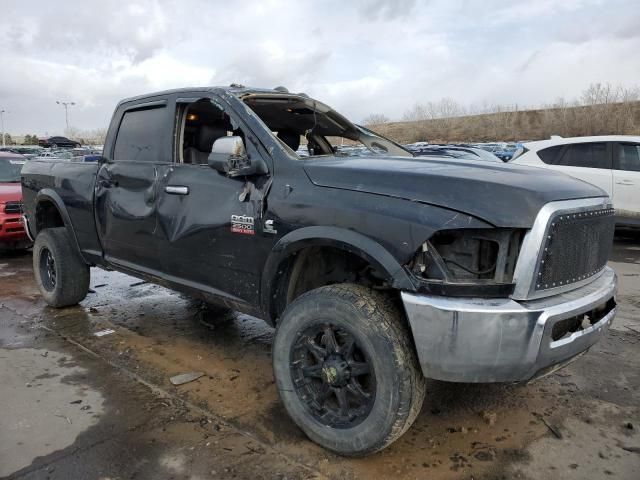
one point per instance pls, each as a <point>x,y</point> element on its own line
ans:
<point>568,121</point>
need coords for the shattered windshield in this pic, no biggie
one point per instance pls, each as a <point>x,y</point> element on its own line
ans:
<point>309,128</point>
<point>10,170</point>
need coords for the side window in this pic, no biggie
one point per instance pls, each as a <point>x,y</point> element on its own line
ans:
<point>628,157</point>
<point>588,155</point>
<point>140,135</point>
<point>550,154</point>
<point>203,123</point>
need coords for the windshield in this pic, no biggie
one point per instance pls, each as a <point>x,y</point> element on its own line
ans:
<point>10,170</point>
<point>309,128</point>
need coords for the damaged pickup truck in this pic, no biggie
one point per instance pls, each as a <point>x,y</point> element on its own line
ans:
<point>376,270</point>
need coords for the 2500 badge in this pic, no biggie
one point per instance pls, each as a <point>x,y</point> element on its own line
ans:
<point>242,224</point>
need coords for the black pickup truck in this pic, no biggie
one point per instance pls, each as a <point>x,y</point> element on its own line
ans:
<point>376,269</point>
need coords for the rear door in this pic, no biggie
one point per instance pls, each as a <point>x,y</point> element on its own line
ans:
<point>127,183</point>
<point>626,182</point>
<point>590,161</point>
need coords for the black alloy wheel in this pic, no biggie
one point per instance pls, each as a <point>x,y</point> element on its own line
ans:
<point>332,376</point>
<point>47,269</point>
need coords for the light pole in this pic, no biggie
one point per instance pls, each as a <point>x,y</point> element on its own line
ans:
<point>66,106</point>
<point>2,112</point>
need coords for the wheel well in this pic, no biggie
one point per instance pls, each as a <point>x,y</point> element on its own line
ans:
<point>47,216</point>
<point>317,266</point>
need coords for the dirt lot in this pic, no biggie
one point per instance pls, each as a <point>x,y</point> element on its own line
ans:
<point>78,406</point>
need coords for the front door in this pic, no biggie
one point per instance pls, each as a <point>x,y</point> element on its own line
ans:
<point>210,225</point>
<point>626,182</point>
<point>127,187</point>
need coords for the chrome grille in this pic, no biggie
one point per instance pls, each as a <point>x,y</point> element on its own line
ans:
<point>576,246</point>
<point>13,207</point>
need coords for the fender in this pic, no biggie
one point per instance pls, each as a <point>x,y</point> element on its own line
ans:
<point>347,240</point>
<point>50,195</point>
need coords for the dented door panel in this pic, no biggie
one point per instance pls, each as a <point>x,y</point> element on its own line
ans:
<point>212,236</point>
<point>126,219</point>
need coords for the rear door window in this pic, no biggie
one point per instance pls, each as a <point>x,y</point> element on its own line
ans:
<point>587,155</point>
<point>550,154</point>
<point>628,157</point>
<point>141,135</point>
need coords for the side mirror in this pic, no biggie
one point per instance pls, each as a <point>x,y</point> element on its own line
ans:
<point>228,156</point>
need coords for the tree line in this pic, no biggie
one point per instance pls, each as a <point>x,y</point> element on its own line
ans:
<point>600,109</point>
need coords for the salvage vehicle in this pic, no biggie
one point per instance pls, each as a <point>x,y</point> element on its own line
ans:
<point>377,271</point>
<point>12,233</point>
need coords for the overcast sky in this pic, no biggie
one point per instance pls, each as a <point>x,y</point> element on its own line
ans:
<point>360,56</point>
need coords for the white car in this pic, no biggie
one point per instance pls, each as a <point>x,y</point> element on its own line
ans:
<point>611,162</point>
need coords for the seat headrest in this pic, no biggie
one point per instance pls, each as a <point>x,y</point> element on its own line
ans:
<point>207,134</point>
<point>291,138</point>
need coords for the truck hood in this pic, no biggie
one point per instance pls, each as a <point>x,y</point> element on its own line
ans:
<point>10,192</point>
<point>505,195</point>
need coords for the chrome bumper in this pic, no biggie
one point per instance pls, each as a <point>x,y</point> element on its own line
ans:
<point>503,340</point>
<point>25,222</point>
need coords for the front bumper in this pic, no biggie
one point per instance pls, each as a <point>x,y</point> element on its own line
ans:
<point>503,340</point>
<point>12,231</point>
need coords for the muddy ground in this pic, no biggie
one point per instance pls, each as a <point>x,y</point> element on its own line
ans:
<point>77,406</point>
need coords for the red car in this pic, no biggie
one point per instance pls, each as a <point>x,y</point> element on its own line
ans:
<point>12,232</point>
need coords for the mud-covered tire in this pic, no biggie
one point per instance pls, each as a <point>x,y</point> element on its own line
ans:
<point>61,274</point>
<point>377,327</point>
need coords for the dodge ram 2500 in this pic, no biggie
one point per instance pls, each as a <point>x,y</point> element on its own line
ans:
<point>377,270</point>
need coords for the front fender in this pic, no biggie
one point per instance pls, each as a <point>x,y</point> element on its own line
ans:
<point>348,240</point>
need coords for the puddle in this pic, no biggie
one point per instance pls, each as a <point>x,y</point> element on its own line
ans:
<point>44,407</point>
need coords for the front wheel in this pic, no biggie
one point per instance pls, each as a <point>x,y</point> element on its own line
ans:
<point>346,369</point>
<point>61,274</point>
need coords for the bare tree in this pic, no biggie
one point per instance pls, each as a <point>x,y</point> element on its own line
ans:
<point>375,119</point>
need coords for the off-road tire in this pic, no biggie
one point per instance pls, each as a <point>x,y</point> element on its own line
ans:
<point>71,279</point>
<point>379,328</point>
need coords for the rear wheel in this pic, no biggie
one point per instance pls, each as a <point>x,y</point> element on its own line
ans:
<point>61,274</point>
<point>346,369</point>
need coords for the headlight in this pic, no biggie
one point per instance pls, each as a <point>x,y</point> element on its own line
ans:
<point>469,262</point>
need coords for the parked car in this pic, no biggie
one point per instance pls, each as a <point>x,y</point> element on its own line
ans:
<point>28,151</point>
<point>58,142</point>
<point>56,154</point>
<point>611,162</point>
<point>377,271</point>
<point>455,151</point>
<point>12,232</point>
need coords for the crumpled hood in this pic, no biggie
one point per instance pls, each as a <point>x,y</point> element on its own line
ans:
<point>504,195</point>
<point>10,192</point>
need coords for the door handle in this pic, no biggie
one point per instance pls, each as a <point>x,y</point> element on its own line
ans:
<point>176,190</point>
<point>625,182</point>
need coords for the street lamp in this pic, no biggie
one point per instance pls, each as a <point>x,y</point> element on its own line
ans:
<point>66,106</point>
<point>2,112</point>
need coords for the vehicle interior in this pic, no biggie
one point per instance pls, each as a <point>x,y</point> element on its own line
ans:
<point>202,124</point>
<point>295,120</point>
<point>298,120</point>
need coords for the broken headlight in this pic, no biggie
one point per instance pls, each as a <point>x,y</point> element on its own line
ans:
<point>469,262</point>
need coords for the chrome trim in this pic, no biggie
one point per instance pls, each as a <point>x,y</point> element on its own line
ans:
<point>176,190</point>
<point>502,340</point>
<point>25,223</point>
<point>531,250</point>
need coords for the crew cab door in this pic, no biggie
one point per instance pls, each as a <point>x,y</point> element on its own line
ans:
<point>127,186</point>
<point>626,182</point>
<point>199,246</point>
